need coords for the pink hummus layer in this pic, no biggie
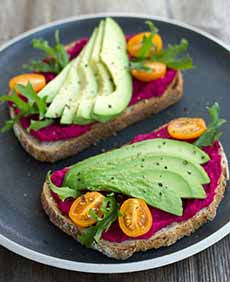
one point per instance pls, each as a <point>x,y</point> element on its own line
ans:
<point>160,219</point>
<point>141,90</point>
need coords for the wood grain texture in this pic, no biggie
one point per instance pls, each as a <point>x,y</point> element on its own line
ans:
<point>17,16</point>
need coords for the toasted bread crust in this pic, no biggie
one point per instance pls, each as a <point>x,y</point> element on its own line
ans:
<point>53,151</point>
<point>162,238</point>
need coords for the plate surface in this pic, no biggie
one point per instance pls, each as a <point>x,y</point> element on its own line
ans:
<point>25,229</point>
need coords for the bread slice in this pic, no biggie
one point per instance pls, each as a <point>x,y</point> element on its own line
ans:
<point>53,151</point>
<point>162,238</point>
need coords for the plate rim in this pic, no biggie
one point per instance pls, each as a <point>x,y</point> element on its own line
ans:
<point>118,267</point>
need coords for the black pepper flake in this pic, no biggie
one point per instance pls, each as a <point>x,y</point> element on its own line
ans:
<point>109,106</point>
<point>160,184</point>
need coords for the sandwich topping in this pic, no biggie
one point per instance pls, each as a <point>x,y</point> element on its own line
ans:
<point>155,181</point>
<point>95,80</point>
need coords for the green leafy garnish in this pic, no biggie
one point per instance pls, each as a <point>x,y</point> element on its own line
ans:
<point>147,42</point>
<point>38,124</point>
<point>170,55</point>
<point>212,133</point>
<point>34,105</point>
<point>57,59</point>
<point>173,56</point>
<point>34,100</point>
<point>62,192</point>
<point>110,210</point>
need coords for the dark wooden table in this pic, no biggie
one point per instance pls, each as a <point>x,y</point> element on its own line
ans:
<point>17,16</point>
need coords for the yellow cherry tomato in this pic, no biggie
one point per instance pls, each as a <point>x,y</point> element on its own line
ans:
<point>79,211</point>
<point>156,71</point>
<point>136,218</point>
<point>186,128</point>
<point>135,43</point>
<point>37,81</point>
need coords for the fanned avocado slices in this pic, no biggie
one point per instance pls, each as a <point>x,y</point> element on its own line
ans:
<point>159,173</point>
<point>97,85</point>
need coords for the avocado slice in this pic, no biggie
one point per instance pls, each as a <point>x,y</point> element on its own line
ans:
<point>88,84</point>
<point>73,103</point>
<point>68,91</point>
<point>114,56</point>
<point>105,85</point>
<point>52,88</point>
<point>156,146</point>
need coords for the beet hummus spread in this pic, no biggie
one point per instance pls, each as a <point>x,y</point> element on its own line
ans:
<point>141,91</point>
<point>161,219</point>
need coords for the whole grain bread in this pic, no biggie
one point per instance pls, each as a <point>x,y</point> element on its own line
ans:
<point>162,238</point>
<point>57,150</point>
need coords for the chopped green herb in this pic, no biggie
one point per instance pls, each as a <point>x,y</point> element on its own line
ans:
<point>58,57</point>
<point>62,192</point>
<point>110,210</point>
<point>212,133</point>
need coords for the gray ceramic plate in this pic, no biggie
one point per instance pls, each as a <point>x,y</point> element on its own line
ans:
<point>25,229</point>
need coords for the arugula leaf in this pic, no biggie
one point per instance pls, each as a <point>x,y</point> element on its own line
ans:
<point>33,98</point>
<point>10,123</point>
<point>147,42</point>
<point>39,66</point>
<point>38,124</point>
<point>14,98</point>
<point>110,210</point>
<point>62,192</point>
<point>139,65</point>
<point>212,133</point>
<point>170,55</point>
<point>58,57</point>
<point>34,105</point>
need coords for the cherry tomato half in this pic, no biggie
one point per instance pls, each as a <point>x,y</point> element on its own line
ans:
<point>156,71</point>
<point>186,128</point>
<point>37,81</point>
<point>79,211</point>
<point>135,43</point>
<point>136,218</point>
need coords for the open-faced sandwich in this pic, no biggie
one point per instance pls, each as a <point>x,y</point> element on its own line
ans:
<point>160,187</point>
<point>92,88</point>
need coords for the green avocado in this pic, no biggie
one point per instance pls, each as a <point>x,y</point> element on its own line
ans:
<point>115,58</point>
<point>89,86</point>
<point>104,80</point>
<point>52,88</point>
<point>145,170</point>
<point>66,94</point>
<point>156,146</point>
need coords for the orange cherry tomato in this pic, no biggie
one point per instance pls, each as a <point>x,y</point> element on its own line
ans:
<point>37,81</point>
<point>79,211</point>
<point>135,43</point>
<point>157,70</point>
<point>136,218</point>
<point>186,128</point>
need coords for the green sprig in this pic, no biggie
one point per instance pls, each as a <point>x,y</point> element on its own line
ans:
<point>34,105</point>
<point>110,210</point>
<point>213,131</point>
<point>58,58</point>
